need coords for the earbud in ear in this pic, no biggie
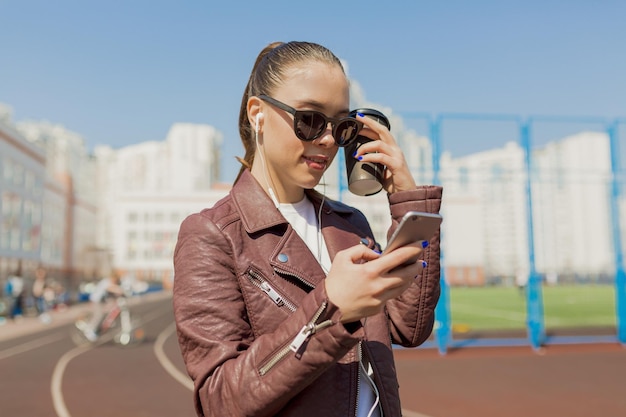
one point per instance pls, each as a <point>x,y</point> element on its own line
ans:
<point>259,117</point>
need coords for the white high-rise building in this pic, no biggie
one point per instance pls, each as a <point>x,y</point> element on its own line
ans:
<point>147,189</point>
<point>571,206</point>
<point>485,218</point>
<point>486,225</point>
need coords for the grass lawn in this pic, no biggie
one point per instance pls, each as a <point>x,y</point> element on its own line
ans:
<point>487,308</point>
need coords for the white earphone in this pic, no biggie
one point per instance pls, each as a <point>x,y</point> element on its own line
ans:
<point>257,121</point>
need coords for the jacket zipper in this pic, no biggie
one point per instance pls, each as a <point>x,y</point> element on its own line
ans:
<point>260,282</point>
<point>291,274</point>
<point>358,378</point>
<point>310,329</point>
<point>303,335</point>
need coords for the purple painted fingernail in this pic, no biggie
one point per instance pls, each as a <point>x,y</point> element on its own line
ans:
<point>424,264</point>
<point>425,244</point>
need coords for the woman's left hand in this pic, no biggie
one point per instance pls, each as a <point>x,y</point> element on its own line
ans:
<point>385,150</point>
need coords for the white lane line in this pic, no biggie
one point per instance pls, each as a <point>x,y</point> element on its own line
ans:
<point>57,379</point>
<point>33,344</point>
<point>57,376</point>
<point>407,413</point>
<point>164,360</point>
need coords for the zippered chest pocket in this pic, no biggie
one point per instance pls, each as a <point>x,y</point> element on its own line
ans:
<point>265,286</point>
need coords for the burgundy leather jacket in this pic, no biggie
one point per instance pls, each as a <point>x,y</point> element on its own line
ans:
<point>258,334</point>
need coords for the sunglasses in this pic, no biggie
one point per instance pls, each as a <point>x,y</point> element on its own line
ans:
<point>309,125</point>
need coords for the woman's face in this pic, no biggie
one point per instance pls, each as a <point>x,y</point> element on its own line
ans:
<point>294,165</point>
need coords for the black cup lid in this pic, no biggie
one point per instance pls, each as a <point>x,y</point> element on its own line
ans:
<point>374,114</point>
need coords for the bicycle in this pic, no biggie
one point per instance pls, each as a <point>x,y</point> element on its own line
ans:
<point>117,322</point>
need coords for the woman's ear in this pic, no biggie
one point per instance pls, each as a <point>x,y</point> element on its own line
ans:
<point>255,115</point>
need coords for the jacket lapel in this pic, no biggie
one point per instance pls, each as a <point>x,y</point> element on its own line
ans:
<point>291,255</point>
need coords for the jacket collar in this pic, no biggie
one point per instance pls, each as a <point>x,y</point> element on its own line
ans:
<point>257,210</point>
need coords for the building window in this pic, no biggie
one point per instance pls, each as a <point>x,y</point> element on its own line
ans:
<point>29,182</point>
<point>11,220</point>
<point>497,173</point>
<point>7,172</point>
<point>18,174</point>
<point>463,178</point>
<point>31,226</point>
<point>132,244</point>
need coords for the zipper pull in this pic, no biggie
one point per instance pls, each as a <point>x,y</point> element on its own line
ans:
<point>302,337</point>
<point>272,293</point>
<point>309,329</point>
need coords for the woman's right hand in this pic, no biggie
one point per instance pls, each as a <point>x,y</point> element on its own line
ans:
<point>361,281</point>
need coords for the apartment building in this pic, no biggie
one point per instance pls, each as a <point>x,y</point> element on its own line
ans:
<point>146,190</point>
<point>22,183</point>
<point>486,225</point>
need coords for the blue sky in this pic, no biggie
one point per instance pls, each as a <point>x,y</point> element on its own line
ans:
<point>122,72</point>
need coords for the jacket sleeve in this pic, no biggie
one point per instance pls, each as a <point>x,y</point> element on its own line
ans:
<point>412,314</point>
<point>221,354</point>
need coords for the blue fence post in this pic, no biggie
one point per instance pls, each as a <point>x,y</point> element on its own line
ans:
<point>341,166</point>
<point>534,296</point>
<point>620,275</point>
<point>443,334</point>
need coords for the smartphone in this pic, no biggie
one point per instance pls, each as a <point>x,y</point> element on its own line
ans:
<point>413,227</point>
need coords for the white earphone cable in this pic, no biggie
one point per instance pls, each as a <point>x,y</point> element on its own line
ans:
<point>319,227</point>
<point>261,154</point>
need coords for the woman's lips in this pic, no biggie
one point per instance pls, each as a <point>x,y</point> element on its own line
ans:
<point>316,162</point>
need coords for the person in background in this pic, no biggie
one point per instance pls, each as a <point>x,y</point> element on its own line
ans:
<point>39,291</point>
<point>101,299</point>
<point>283,304</point>
<point>14,290</point>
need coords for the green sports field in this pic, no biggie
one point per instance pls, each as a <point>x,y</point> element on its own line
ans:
<point>565,306</point>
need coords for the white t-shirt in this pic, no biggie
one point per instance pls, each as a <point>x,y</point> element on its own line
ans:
<point>303,219</point>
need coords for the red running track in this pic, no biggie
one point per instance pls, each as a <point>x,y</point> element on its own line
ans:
<point>584,380</point>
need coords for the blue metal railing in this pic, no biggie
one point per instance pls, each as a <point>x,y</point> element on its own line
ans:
<point>534,298</point>
<point>620,275</point>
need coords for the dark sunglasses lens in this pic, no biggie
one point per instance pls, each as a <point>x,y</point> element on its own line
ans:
<point>345,131</point>
<point>309,124</point>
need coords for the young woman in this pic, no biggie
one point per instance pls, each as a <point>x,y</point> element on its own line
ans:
<point>283,306</point>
